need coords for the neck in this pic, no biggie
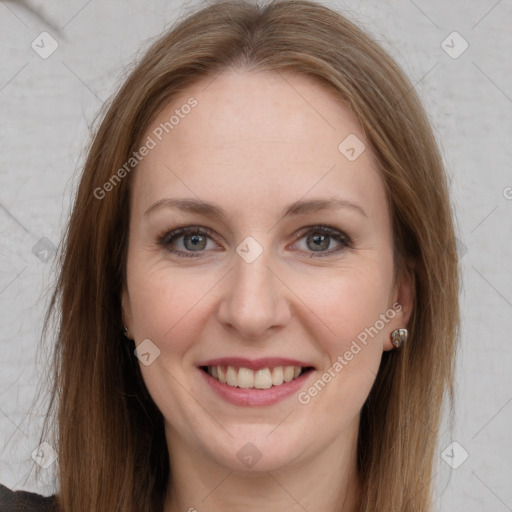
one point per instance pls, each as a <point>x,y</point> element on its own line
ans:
<point>329,482</point>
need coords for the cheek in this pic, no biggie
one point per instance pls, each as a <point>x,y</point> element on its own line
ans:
<point>355,315</point>
<point>169,304</point>
<point>163,301</point>
<point>349,302</point>
<point>165,306</point>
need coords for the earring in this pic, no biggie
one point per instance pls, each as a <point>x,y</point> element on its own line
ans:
<point>125,331</point>
<point>399,336</point>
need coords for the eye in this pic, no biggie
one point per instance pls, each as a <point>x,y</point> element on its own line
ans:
<point>194,240</point>
<point>319,238</point>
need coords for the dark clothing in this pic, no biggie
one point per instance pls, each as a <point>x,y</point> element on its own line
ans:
<point>23,501</point>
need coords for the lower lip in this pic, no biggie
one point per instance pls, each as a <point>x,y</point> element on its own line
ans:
<point>255,397</point>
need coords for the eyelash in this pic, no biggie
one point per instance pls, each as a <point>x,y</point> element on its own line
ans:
<point>166,238</point>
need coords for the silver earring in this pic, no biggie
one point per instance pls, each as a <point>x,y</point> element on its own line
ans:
<point>399,336</point>
<point>125,331</point>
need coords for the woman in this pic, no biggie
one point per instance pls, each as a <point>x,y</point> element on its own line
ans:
<point>258,292</point>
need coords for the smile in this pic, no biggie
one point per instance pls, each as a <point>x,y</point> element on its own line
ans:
<point>247,378</point>
<point>255,382</point>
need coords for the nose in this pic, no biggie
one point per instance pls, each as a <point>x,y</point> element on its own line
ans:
<point>254,300</point>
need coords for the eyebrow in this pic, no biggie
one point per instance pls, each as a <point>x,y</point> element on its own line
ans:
<point>294,209</point>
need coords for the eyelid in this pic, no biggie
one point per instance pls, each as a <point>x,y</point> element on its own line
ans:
<point>167,235</point>
<point>325,228</point>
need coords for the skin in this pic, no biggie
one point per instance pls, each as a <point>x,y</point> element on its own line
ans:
<point>256,142</point>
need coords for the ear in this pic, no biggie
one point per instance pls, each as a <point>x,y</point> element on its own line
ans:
<point>401,301</point>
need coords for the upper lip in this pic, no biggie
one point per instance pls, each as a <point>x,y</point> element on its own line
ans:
<point>254,364</point>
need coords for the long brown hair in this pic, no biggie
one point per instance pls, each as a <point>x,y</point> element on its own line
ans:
<point>108,432</point>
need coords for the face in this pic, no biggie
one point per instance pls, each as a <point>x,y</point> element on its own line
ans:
<point>290,266</point>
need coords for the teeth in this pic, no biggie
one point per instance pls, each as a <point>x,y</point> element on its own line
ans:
<point>231,376</point>
<point>263,379</point>
<point>277,376</point>
<point>246,378</point>
<point>288,373</point>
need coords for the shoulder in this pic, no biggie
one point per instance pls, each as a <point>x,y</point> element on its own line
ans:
<point>24,501</point>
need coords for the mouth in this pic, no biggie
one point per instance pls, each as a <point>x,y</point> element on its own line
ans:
<point>261,378</point>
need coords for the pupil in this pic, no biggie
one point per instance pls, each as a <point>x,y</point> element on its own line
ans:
<point>196,241</point>
<point>319,239</point>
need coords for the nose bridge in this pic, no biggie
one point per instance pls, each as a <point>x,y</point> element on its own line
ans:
<point>253,300</point>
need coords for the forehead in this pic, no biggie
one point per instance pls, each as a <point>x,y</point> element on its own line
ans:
<point>256,138</point>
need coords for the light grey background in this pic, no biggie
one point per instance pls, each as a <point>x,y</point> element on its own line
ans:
<point>48,105</point>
